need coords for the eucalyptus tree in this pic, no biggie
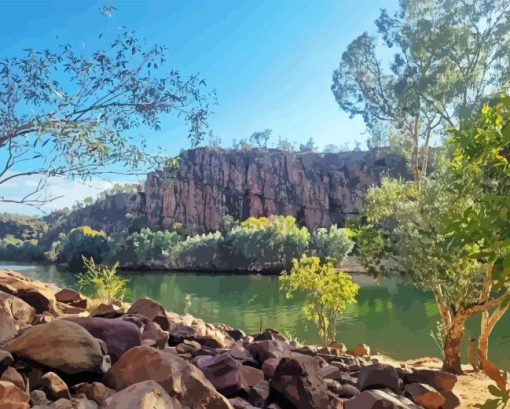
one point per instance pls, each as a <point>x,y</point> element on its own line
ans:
<point>429,67</point>
<point>72,112</point>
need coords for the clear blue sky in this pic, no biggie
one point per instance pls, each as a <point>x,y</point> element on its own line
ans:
<point>270,62</point>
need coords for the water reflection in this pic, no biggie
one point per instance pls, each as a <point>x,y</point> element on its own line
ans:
<point>394,318</point>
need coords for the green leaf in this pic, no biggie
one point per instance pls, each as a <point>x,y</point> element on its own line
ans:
<point>495,391</point>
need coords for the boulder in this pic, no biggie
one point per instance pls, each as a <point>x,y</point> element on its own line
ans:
<point>252,376</point>
<point>154,336</point>
<point>329,372</point>
<point>178,377</point>
<point>378,376</point>
<point>297,381</point>
<point>12,397</point>
<point>359,350</point>
<point>142,395</point>
<point>440,380</point>
<point>259,394</point>
<point>95,391</point>
<point>347,391</point>
<point>14,315</point>
<point>5,359</point>
<point>424,395</point>
<point>340,347</point>
<point>54,386</point>
<point>107,311</point>
<point>239,403</point>
<point>151,309</point>
<point>268,335</point>
<point>223,371</point>
<point>13,376</point>
<point>269,366</point>
<point>73,349</point>
<point>195,329</point>
<point>35,293</point>
<point>38,397</point>
<point>262,350</point>
<point>238,351</point>
<point>374,399</point>
<point>119,335</point>
<point>71,297</point>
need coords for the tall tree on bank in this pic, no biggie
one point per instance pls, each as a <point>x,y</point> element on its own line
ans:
<point>71,113</point>
<point>429,67</point>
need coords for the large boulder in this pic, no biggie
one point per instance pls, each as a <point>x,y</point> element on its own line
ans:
<point>61,345</point>
<point>262,350</point>
<point>71,297</point>
<point>440,380</point>
<point>296,380</point>
<point>151,309</point>
<point>119,335</point>
<point>191,328</point>
<point>35,293</point>
<point>178,377</point>
<point>378,376</point>
<point>425,395</point>
<point>12,397</point>
<point>14,315</point>
<point>142,395</point>
<point>223,371</point>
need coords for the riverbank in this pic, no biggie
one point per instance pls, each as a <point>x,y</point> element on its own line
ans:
<point>51,355</point>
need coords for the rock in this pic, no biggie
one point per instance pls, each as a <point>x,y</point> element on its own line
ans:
<point>223,371</point>
<point>238,351</point>
<point>73,349</point>
<point>378,376</point>
<point>239,403</point>
<point>259,394</point>
<point>61,404</point>
<point>107,311</point>
<point>340,365</point>
<point>54,386</point>
<point>194,329</point>
<point>329,372</point>
<point>269,366</point>
<point>35,293</point>
<point>252,376</point>
<point>152,310</point>
<point>118,335</point>
<point>341,348</point>
<point>440,380</point>
<point>142,395</point>
<point>236,334</point>
<point>81,402</point>
<point>153,335</point>
<point>263,350</point>
<point>424,395</point>
<point>178,377</point>
<point>374,399</point>
<point>14,315</point>
<point>6,359</point>
<point>13,376</point>
<point>297,381</point>
<point>38,397</point>
<point>360,350</point>
<point>71,297</point>
<point>12,397</point>
<point>268,335</point>
<point>43,318</point>
<point>347,391</point>
<point>95,391</point>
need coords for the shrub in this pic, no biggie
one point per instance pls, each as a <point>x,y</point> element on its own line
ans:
<point>331,245</point>
<point>327,292</point>
<point>13,249</point>
<point>82,241</point>
<point>196,252</point>
<point>102,282</point>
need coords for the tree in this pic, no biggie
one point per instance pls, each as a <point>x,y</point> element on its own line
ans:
<point>213,140</point>
<point>309,146</point>
<point>447,55</point>
<point>409,235</point>
<point>260,139</point>
<point>82,242</point>
<point>331,245</point>
<point>285,144</point>
<point>481,161</point>
<point>327,292</point>
<point>71,112</point>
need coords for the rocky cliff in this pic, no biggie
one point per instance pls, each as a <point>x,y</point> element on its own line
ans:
<point>318,189</point>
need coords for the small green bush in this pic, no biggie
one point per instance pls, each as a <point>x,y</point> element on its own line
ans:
<point>102,282</point>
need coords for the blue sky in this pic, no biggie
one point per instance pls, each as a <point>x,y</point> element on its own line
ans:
<point>270,62</point>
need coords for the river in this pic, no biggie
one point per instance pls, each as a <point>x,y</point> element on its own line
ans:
<point>394,318</point>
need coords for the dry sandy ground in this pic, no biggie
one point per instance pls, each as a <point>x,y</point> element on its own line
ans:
<point>471,388</point>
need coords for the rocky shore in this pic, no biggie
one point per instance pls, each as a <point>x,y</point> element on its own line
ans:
<point>60,350</point>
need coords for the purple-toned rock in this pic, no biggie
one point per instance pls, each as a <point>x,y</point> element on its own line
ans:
<point>223,371</point>
<point>269,366</point>
<point>374,399</point>
<point>107,311</point>
<point>378,376</point>
<point>252,376</point>
<point>329,372</point>
<point>259,394</point>
<point>118,335</point>
<point>263,350</point>
<point>151,309</point>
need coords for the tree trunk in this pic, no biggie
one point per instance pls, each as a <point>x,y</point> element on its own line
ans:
<point>451,348</point>
<point>488,323</point>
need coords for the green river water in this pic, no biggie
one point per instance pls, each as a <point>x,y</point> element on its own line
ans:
<point>392,317</point>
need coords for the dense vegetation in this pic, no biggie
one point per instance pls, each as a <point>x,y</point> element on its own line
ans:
<point>258,244</point>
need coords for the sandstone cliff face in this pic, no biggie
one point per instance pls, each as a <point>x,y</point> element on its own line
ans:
<point>318,189</point>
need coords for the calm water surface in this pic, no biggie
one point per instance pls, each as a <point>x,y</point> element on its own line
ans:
<point>394,318</point>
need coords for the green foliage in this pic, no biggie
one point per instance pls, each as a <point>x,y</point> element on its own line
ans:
<point>102,282</point>
<point>285,144</point>
<point>13,249</point>
<point>328,292</point>
<point>197,252</point>
<point>309,146</point>
<point>429,66</point>
<point>82,242</point>
<point>331,244</point>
